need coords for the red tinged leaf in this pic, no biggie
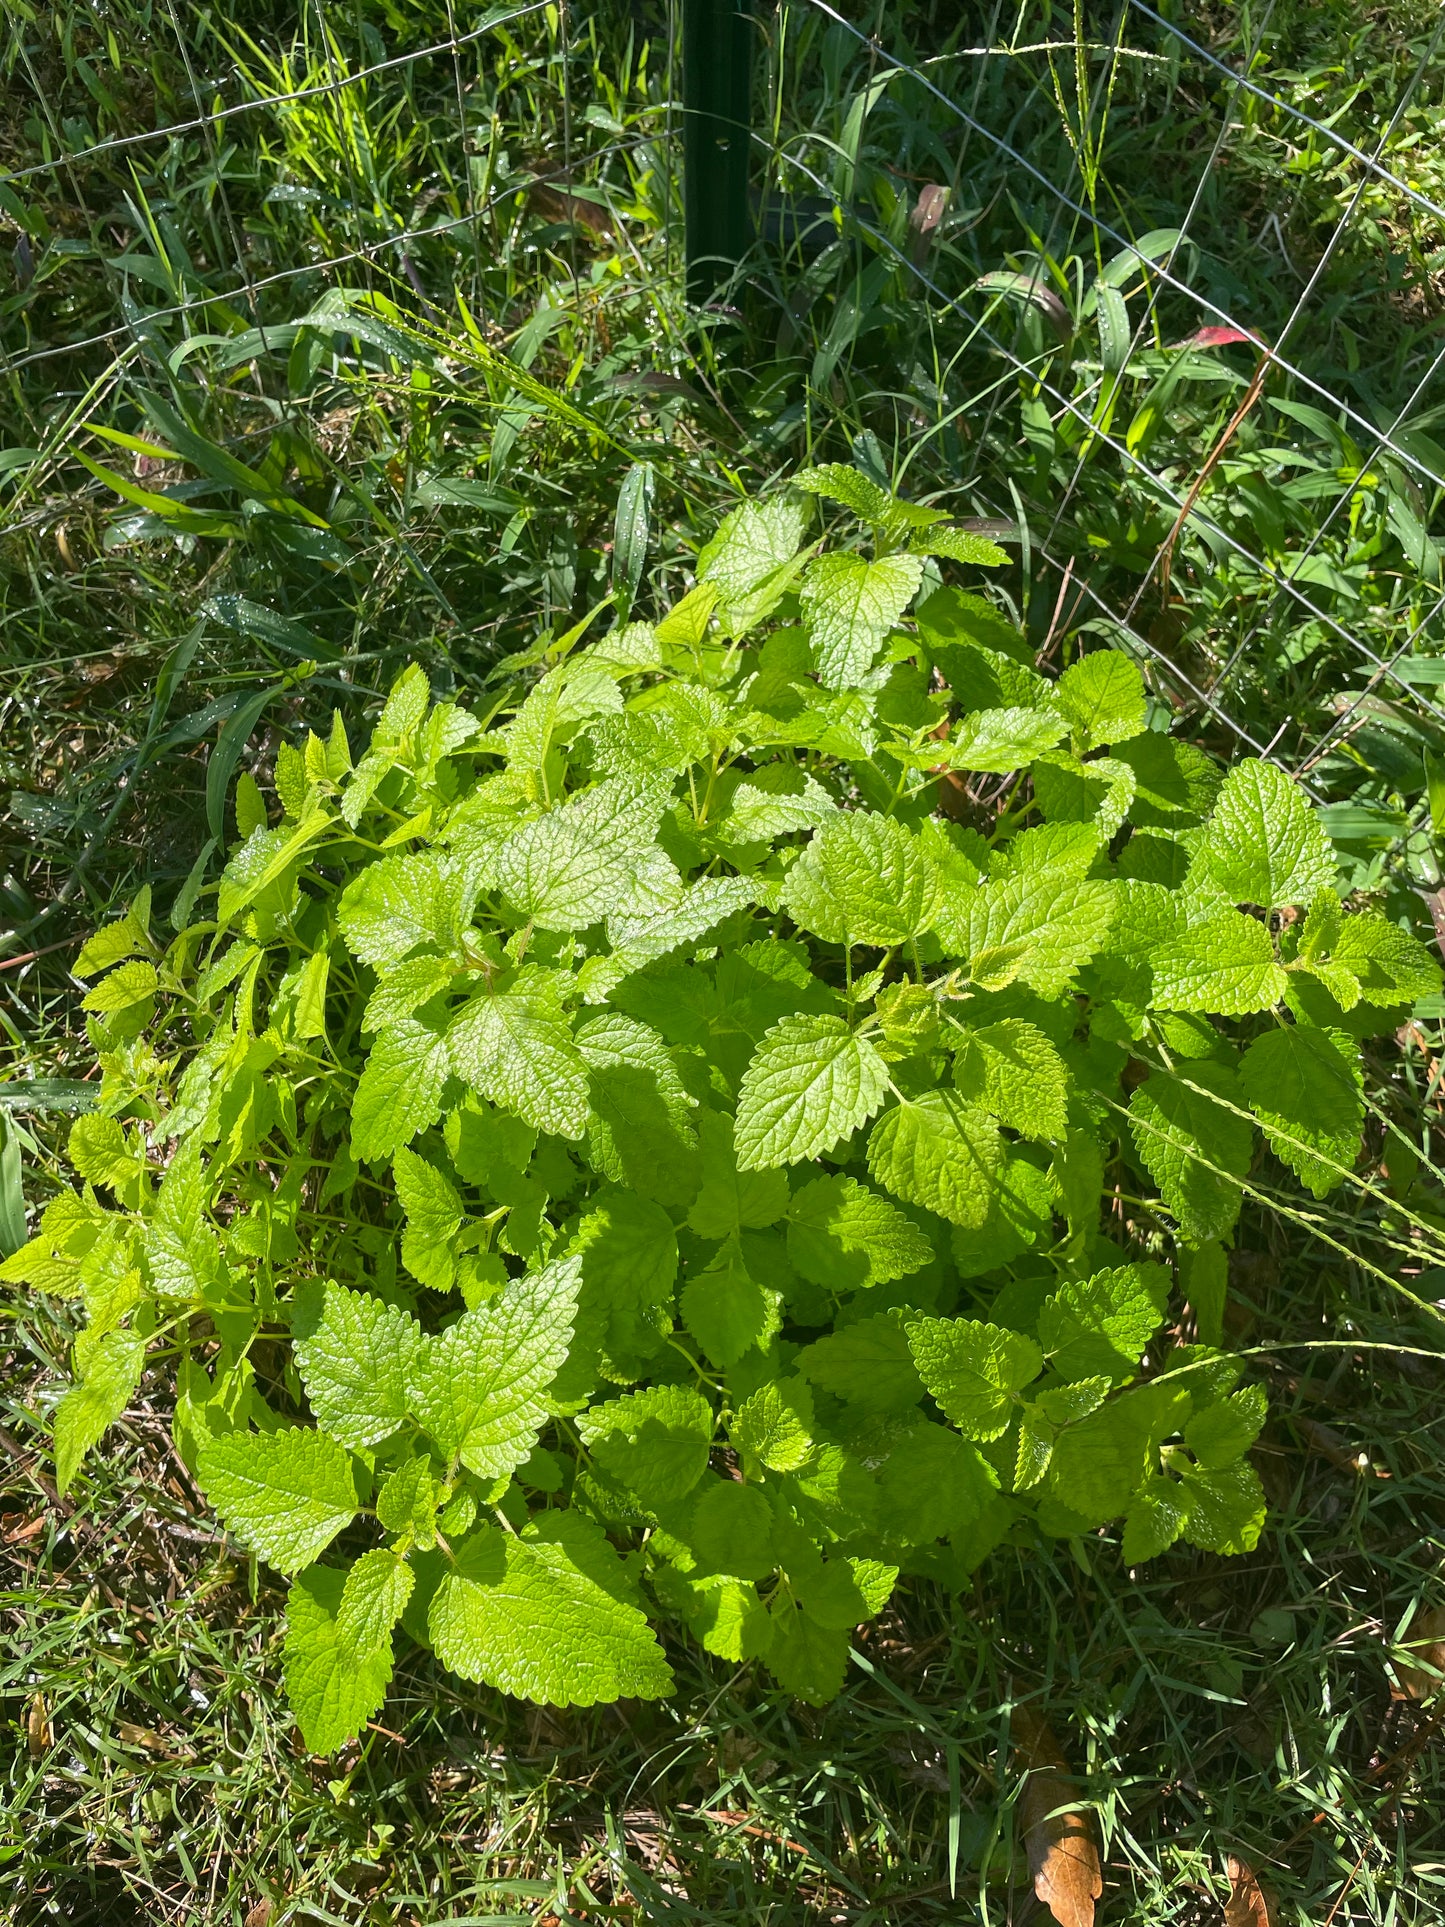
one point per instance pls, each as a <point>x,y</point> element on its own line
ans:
<point>1219,337</point>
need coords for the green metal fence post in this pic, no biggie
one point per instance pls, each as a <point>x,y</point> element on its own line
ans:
<point>717,97</point>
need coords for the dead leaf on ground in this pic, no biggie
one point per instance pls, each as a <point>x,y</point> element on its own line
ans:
<point>1426,1640</point>
<point>1060,1840</point>
<point>1248,1904</point>
<point>926,214</point>
<point>147,1739</point>
<point>1331,1445</point>
<point>929,208</point>
<point>559,204</point>
<point>37,1726</point>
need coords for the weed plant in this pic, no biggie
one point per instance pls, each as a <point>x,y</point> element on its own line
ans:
<point>436,505</point>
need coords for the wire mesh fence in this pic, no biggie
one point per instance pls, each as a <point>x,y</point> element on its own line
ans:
<point>1162,297</point>
<point>1005,184</point>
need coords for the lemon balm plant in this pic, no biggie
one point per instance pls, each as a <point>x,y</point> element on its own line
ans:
<point>633,1160</point>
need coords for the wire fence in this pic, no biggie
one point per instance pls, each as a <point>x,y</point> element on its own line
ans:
<point>1380,425</point>
<point>1168,306</point>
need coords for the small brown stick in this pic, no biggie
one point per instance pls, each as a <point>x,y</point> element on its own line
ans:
<point>1059,609</point>
<point>1211,462</point>
<point>29,956</point>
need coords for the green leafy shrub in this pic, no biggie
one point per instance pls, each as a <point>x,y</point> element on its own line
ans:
<point>633,1156</point>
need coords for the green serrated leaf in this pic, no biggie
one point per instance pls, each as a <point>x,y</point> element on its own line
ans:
<point>112,1371</point>
<point>639,939</point>
<point>973,1370</point>
<point>377,1589</point>
<point>654,1442</point>
<point>407,1502</point>
<point>399,1093</point>
<point>1063,1404</point>
<point>934,1483</point>
<point>728,1310</point>
<point>641,1127</point>
<point>1001,740</point>
<point>479,1388</point>
<point>811,1083</point>
<point>753,560</point>
<point>515,1046</point>
<point>1224,1431</point>
<point>111,944</point>
<point>1224,963</point>
<point>1158,1513</point>
<point>1038,927</point>
<point>958,545</point>
<point>1194,1145</point>
<point>548,1616</point>
<point>845,1237</point>
<point>775,1426</point>
<point>404,989</point>
<point>849,606</point>
<point>284,1495</point>
<point>1102,695</point>
<point>356,1365</point>
<point>869,1364</point>
<point>102,1154</point>
<point>1100,1463</point>
<point>128,984</point>
<point>391,907</point>
<point>1305,1087</point>
<point>434,1213</point>
<point>863,878</point>
<point>807,1659</point>
<point>332,1691</point>
<point>1263,844</point>
<point>732,1531</point>
<point>1227,1508</point>
<point>1015,1073</point>
<point>1069,790</point>
<point>628,1250</point>
<point>1035,1449</point>
<point>593,856</point>
<point>937,1151</point>
<point>1389,965</point>
<point>1100,1326</point>
<point>730,1200</point>
<point>852,489</point>
<point>726,1615</point>
<point>1022,1212</point>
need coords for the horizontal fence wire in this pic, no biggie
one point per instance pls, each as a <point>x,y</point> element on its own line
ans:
<point>1001,347</point>
<point>1383,438</point>
<point>369,251</point>
<point>216,117</point>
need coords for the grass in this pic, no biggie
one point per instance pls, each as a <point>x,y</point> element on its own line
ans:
<point>1207,1708</point>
